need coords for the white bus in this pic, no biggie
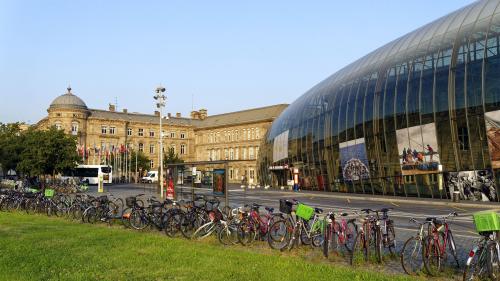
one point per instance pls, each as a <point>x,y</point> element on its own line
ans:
<point>91,173</point>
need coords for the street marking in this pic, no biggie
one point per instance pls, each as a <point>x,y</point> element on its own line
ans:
<point>460,209</point>
<point>394,204</point>
<point>348,200</point>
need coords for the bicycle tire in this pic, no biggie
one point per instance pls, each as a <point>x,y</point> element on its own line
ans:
<point>138,219</point>
<point>246,231</point>
<point>413,246</point>
<point>493,261</point>
<point>431,256</point>
<point>359,247</point>
<point>327,233</point>
<point>476,269</point>
<point>377,235</point>
<point>391,239</point>
<point>350,234</point>
<point>279,234</point>
<point>172,225</point>
<point>453,248</point>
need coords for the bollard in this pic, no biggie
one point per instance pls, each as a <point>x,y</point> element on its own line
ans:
<point>456,196</point>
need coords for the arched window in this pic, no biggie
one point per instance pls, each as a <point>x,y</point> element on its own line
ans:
<point>74,128</point>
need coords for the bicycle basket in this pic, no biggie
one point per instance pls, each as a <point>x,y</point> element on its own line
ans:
<point>304,211</point>
<point>130,201</point>
<point>486,221</point>
<point>285,206</point>
<point>49,192</point>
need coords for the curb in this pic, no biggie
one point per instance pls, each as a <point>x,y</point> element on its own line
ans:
<point>484,205</point>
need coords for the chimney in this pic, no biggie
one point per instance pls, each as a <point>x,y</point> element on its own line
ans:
<point>112,107</point>
<point>157,113</point>
<point>169,115</point>
<point>178,115</point>
<point>203,114</point>
<point>125,110</point>
<point>195,115</point>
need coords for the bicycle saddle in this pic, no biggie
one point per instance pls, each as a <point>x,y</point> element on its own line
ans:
<point>366,210</point>
<point>269,209</point>
<point>344,214</point>
<point>256,205</point>
<point>318,210</point>
<point>385,210</point>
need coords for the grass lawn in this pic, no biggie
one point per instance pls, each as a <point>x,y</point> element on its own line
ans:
<point>35,247</point>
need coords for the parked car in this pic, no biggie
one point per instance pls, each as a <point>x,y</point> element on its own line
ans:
<point>151,177</point>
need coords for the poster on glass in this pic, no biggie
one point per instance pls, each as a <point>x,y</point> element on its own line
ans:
<point>353,160</point>
<point>219,176</point>
<point>418,150</point>
<point>492,120</point>
<point>472,185</point>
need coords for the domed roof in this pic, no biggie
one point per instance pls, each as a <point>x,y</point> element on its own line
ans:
<point>68,100</point>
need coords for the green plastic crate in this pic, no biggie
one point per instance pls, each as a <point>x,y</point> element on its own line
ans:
<point>304,211</point>
<point>49,192</point>
<point>486,221</point>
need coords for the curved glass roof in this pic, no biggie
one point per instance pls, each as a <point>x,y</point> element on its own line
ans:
<point>428,39</point>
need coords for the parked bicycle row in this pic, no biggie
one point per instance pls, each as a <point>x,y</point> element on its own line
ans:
<point>366,235</point>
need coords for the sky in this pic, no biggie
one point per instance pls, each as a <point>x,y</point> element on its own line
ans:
<point>220,55</point>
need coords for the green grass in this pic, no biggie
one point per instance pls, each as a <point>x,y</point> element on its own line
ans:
<point>41,248</point>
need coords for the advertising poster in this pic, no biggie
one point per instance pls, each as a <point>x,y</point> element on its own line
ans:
<point>492,119</point>
<point>472,185</point>
<point>219,181</point>
<point>418,150</point>
<point>353,160</point>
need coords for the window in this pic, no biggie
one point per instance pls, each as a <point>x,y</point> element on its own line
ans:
<point>231,154</point>
<point>112,130</point>
<point>244,134</point>
<point>237,154</point>
<point>253,133</point>
<point>74,128</point>
<point>129,132</point>
<point>151,164</point>
<point>183,149</point>
<point>252,173</point>
<point>172,134</point>
<point>244,153</point>
<point>58,125</point>
<point>463,138</point>
<point>183,135</point>
<point>140,132</point>
<point>151,148</point>
<point>231,173</point>
<point>236,135</point>
<point>257,133</point>
<point>151,133</point>
<point>226,154</point>
<point>250,153</point>
<point>58,114</point>
<point>172,148</point>
<point>104,130</point>
<point>141,147</point>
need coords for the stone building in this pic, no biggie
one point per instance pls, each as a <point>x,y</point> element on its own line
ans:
<point>199,137</point>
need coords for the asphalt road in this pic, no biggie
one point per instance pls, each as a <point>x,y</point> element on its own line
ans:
<point>462,226</point>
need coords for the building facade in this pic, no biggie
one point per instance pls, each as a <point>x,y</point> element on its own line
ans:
<point>417,117</point>
<point>103,134</point>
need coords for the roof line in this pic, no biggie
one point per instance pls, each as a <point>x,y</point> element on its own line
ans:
<point>246,110</point>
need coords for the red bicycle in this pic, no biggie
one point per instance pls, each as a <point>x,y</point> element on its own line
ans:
<point>338,234</point>
<point>437,241</point>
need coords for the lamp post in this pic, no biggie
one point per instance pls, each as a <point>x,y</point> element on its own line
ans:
<point>161,100</point>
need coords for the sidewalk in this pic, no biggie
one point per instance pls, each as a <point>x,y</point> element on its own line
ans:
<point>382,198</point>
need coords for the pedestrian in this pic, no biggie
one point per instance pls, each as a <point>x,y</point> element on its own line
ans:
<point>404,155</point>
<point>430,151</point>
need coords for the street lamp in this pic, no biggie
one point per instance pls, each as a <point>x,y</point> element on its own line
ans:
<point>161,100</point>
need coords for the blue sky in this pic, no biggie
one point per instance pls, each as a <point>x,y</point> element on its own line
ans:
<point>228,55</point>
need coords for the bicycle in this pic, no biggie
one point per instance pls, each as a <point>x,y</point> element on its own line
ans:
<point>483,260</point>
<point>412,253</point>
<point>338,235</point>
<point>435,243</point>
<point>377,232</point>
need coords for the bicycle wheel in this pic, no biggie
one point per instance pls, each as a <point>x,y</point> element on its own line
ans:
<point>493,261</point>
<point>390,239</point>
<point>190,222</point>
<point>279,234</point>
<point>125,218</point>
<point>350,235</point>
<point>246,231</point>
<point>360,249</point>
<point>431,255</point>
<point>376,242</point>
<point>138,219</point>
<point>204,231</point>
<point>475,267</point>
<point>452,248</point>
<point>90,215</point>
<point>228,235</point>
<point>172,225</point>
<point>412,256</point>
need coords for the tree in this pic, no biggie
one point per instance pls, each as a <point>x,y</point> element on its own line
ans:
<point>143,163</point>
<point>10,146</point>
<point>47,152</point>
<point>171,157</point>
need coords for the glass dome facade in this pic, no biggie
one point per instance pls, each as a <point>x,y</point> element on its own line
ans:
<point>416,117</point>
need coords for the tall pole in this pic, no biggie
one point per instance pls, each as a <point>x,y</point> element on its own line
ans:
<point>160,103</point>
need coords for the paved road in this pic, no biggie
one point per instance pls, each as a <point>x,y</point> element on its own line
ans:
<point>463,228</point>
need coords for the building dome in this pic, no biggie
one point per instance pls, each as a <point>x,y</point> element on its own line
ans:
<point>68,100</point>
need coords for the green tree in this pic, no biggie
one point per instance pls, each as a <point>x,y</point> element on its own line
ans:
<point>171,157</point>
<point>10,146</point>
<point>142,161</point>
<point>47,152</point>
